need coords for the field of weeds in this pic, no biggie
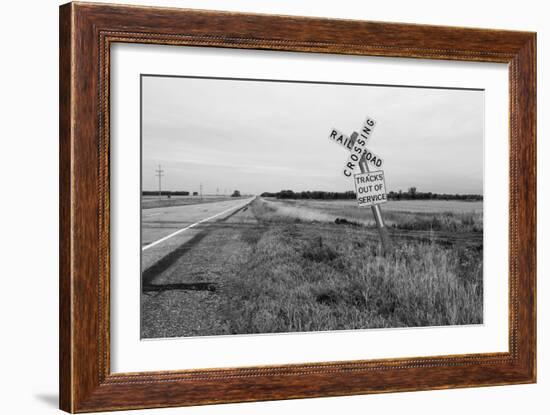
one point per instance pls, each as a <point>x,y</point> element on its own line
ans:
<point>452,216</point>
<point>316,266</point>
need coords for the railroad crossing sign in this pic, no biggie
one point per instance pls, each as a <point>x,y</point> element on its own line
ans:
<point>340,138</point>
<point>359,147</point>
<point>370,187</point>
<point>348,142</point>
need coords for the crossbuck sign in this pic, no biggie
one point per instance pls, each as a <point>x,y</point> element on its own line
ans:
<point>370,186</point>
<point>356,151</point>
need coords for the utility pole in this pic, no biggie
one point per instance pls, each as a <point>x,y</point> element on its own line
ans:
<point>201,191</point>
<point>159,174</point>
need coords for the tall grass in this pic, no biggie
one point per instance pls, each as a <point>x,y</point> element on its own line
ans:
<point>294,276</point>
<point>444,221</point>
<point>283,212</point>
<point>463,221</point>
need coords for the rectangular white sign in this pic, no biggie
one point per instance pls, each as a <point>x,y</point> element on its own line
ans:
<point>370,188</point>
<point>359,146</point>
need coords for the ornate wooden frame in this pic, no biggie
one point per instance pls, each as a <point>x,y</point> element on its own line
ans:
<point>86,33</point>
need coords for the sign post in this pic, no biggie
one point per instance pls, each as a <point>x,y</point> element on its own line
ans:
<point>376,211</point>
<point>370,186</point>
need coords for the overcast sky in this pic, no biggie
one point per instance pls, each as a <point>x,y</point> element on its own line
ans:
<point>259,136</point>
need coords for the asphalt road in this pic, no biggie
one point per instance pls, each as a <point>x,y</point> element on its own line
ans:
<point>165,229</point>
<point>183,276</point>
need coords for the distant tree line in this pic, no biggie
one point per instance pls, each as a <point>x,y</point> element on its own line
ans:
<point>165,193</point>
<point>316,194</point>
<point>411,194</point>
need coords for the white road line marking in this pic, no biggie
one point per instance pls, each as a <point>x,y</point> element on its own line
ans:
<point>193,225</point>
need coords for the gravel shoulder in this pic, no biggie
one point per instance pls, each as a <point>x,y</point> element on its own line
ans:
<point>181,292</point>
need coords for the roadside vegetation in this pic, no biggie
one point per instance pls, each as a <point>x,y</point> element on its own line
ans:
<point>320,268</point>
<point>411,194</point>
<point>450,216</point>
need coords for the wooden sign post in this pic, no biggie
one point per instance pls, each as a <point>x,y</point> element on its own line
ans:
<point>370,186</point>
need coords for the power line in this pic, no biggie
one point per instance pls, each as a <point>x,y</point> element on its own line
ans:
<point>159,173</point>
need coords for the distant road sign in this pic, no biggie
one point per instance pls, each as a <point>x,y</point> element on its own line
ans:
<point>359,146</point>
<point>370,188</point>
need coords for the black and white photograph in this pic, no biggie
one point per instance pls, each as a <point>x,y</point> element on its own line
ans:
<point>275,207</point>
<point>284,206</point>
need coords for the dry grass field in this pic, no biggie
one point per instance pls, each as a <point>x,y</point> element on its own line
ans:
<point>302,272</point>
<point>308,265</point>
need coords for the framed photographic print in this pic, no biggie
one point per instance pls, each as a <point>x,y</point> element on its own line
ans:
<point>259,207</point>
